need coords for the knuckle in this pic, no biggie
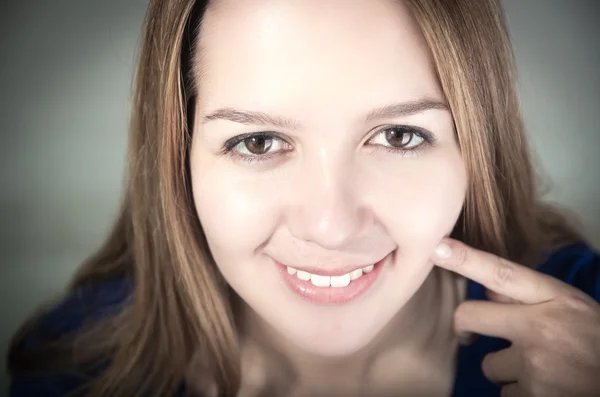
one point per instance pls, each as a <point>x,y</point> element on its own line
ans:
<point>534,363</point>
<point>575,303</point>
<point>538,370</point>
<point>461,257</point>
<point>547,330</point>
<point>503,272</point>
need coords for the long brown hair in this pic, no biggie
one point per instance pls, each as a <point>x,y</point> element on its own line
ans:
<point>181,305</point>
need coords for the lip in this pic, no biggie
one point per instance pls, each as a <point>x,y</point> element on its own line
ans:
<point>331,295</point>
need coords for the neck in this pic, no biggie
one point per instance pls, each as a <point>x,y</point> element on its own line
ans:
<point>422,329</point>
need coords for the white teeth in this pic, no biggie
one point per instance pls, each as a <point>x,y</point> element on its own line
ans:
<point>339,281</point>
<point>354,274</point>
<point>320,281</point>
<point>333,281</point>
<point>302,275</point>
<point>291,270</point>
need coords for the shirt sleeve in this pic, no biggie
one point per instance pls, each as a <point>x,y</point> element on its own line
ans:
<point>86,304</point>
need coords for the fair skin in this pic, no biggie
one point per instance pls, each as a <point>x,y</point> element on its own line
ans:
<point>331,193</point>
<point>336,182</point>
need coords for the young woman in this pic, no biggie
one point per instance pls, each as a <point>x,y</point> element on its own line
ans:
<point>320,193</point>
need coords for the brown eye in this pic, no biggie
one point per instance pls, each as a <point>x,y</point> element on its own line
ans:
<point>399,137</point>
<point>255,147</point>
<point>258,144</point>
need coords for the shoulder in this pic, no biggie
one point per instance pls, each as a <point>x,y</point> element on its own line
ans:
<point>84,306</point>
<point>577,265</point>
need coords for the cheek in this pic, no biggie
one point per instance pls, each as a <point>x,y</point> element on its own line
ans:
<point>236,213</point>
<point>422,204</point>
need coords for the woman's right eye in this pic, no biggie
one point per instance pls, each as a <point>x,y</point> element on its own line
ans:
<point>255,146</point>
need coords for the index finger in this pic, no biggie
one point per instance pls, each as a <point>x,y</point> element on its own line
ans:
<point>495,273</point>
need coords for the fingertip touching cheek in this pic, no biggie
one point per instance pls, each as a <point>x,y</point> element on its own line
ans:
<point>322,146</point>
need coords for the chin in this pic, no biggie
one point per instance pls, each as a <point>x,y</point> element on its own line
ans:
<point>339,348</point>
<point>336,341</point>
<point>336,350</point>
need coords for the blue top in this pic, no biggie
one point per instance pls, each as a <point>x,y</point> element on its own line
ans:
<point>576,264</point>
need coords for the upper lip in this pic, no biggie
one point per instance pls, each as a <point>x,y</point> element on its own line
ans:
<point>339,271</point>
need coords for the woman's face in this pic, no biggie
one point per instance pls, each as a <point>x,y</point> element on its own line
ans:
<point>322,146</point>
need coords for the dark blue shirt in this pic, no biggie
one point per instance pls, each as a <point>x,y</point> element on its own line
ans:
<point>577,265</point>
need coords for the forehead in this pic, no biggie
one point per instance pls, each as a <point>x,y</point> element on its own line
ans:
<point>300,55</point>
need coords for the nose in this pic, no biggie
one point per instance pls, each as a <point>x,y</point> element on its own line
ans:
<point>327,209</point>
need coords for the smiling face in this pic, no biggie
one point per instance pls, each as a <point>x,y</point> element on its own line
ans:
<point>321,142</point>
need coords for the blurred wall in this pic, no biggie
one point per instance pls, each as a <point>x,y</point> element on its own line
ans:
<point>65,79</point>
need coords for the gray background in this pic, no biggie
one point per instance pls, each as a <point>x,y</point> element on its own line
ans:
<point>65,79</point>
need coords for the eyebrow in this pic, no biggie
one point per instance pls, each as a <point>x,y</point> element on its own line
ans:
<point>251,117</point>
<point>405,109</point>
<point>264,119</point>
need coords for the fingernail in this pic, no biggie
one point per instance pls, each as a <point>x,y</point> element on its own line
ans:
<point>443,251</point>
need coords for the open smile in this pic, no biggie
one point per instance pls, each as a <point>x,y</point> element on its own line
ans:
<point>331,287</point>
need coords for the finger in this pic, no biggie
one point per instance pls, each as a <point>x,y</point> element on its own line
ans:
<point>499,298</point>
<point>500,320</point>
<point>511,390</point>
<point>503,366</point>
<point>497,274</point>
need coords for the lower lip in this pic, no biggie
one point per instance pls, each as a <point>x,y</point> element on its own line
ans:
<point>331,295</point>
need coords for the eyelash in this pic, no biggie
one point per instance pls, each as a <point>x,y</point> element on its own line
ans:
<point>230,145</point>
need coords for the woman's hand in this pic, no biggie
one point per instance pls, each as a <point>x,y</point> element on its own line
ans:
<point>554,328</point>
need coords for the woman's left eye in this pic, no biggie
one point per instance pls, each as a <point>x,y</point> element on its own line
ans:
<point>401,138</point>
